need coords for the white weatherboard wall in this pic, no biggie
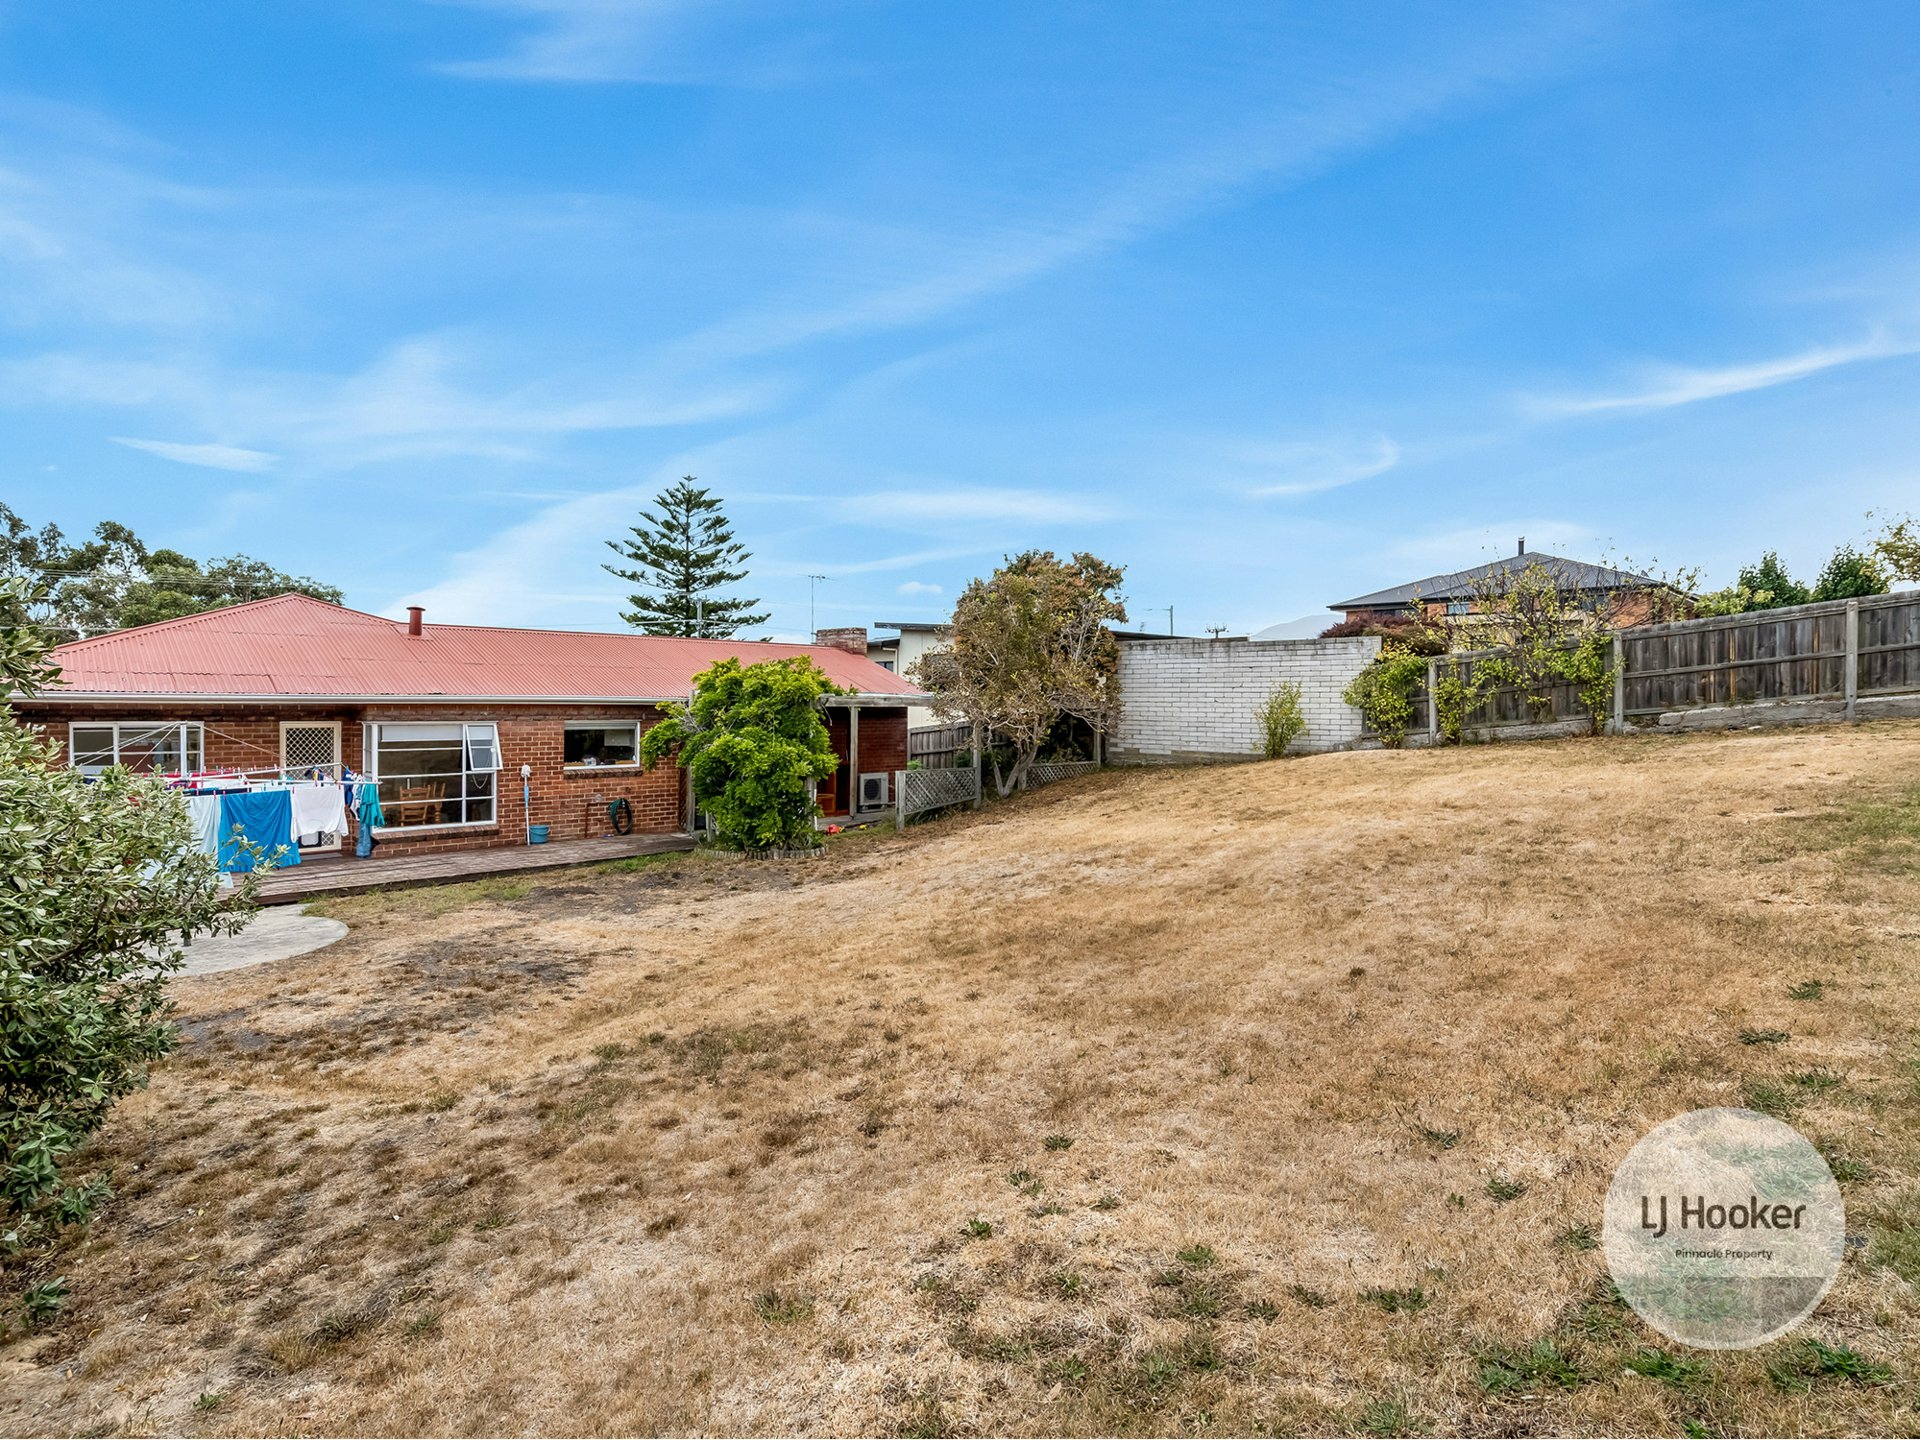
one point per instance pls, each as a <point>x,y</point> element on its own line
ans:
<point>1195,699</point>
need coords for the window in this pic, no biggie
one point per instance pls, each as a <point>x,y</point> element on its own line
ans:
<point>146,747</point>
<point>435,774</point>
<point>1459,607</point>
<point>597,742</point>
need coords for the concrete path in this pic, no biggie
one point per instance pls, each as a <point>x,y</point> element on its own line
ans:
<point>273,934</point>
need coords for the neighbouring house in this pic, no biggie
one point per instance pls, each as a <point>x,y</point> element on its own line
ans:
<point>442,716</point>
<point>1616,595</point>
<point>899,652</point>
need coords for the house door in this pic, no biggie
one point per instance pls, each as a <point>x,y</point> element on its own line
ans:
<point>310,750</point>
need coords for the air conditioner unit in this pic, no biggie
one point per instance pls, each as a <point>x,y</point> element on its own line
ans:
<point>876,791</point>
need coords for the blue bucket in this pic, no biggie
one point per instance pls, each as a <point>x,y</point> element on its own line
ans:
<point>536,834</point>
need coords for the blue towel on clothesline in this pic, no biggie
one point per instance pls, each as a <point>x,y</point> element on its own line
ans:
<point>263,818</point>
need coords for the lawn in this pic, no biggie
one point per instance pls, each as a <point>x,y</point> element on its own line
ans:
<point>1272,1098</point>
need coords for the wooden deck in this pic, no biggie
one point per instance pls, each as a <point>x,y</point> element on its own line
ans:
<point>345,875</point>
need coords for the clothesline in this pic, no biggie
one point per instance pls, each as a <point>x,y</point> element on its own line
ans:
<point>229,823</point>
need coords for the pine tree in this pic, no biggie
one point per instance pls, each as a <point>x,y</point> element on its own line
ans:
<point>683,555</point>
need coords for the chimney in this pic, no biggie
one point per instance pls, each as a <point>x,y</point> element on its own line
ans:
<point>414,612</point>
<point>850,638</point>
<point>1523,544</point>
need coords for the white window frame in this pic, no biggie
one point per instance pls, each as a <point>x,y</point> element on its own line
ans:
<point>486,732</point>
<point>198,728</point>
<point>610,724</point>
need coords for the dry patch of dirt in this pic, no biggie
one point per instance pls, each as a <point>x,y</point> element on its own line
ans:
<point>1280,1097</point>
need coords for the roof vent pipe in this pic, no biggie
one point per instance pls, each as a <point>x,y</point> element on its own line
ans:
<point>414,612</point>
<point>1523,544</point>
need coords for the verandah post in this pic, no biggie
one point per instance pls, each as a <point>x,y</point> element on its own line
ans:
<point>899,800</point>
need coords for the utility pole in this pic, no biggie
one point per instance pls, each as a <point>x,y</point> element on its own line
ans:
<point>1169,610</point>
<point>813,629</point>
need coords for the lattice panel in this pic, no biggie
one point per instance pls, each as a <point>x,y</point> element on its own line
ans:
<point>922,790</point>
<point>305,746</point>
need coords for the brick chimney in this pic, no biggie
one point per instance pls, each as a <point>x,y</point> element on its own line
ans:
<point>414,614</point>
<point>850,638</point>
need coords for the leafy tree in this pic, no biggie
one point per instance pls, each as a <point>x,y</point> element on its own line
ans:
<point>1768,585</point>
<point>1850,575</point>
<point>104,886</point>
<point>752,739</point>
<point>1546,633</point>
<point>1030,644</point>
<point>113,580</point>
<point>1898,548</point>
<point>682,556</point>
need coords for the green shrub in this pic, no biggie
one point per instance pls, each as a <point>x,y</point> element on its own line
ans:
<point>753,739</point>
<point>1281,719</point>
<point>1383,692</point>
<point>104,886</point>
<point>1459,690</point>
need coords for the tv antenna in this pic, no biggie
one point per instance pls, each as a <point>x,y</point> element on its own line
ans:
<point>813,629</point>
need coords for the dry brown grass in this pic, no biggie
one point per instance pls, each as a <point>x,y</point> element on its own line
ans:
<point>699,1147</point>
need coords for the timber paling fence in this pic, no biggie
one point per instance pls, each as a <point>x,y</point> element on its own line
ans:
<point>1839,652</point>
<point>939,746</point>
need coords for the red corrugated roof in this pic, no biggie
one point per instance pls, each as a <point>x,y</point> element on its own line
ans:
<point>292,645</point>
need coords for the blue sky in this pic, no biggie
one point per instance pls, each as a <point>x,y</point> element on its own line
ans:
<point>1273,304</point>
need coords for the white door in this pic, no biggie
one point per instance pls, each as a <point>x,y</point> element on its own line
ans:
<point>310,750</point>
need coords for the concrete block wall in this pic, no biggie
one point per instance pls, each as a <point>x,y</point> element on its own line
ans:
<point>1194,700</point>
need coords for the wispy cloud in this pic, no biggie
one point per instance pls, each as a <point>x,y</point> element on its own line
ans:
<point>1669,386</point>
<point>597,42</point>
<point>925,506</point>
<point>1323,122</point>
<point>422,397</point>
<point>212,457</point>
<point>878,565</point>
<point>1308,467</point>
<point>917,587</point>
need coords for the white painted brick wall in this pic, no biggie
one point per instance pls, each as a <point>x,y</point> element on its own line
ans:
<point>1195,699</point>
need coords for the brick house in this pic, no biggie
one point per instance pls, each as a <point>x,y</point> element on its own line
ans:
<point>443,716</point>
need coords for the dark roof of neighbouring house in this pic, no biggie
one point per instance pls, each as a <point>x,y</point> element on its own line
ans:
<point>1465,584</point>
<point>294,646</point>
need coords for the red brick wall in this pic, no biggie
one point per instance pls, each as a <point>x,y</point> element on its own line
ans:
<point>572,803</point>
<point>883,740</point>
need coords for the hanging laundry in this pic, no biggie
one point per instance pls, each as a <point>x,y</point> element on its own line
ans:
<point>264,818</point>
<point>204,812</point>
<point>318,810</point>
<point>366,809</point>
